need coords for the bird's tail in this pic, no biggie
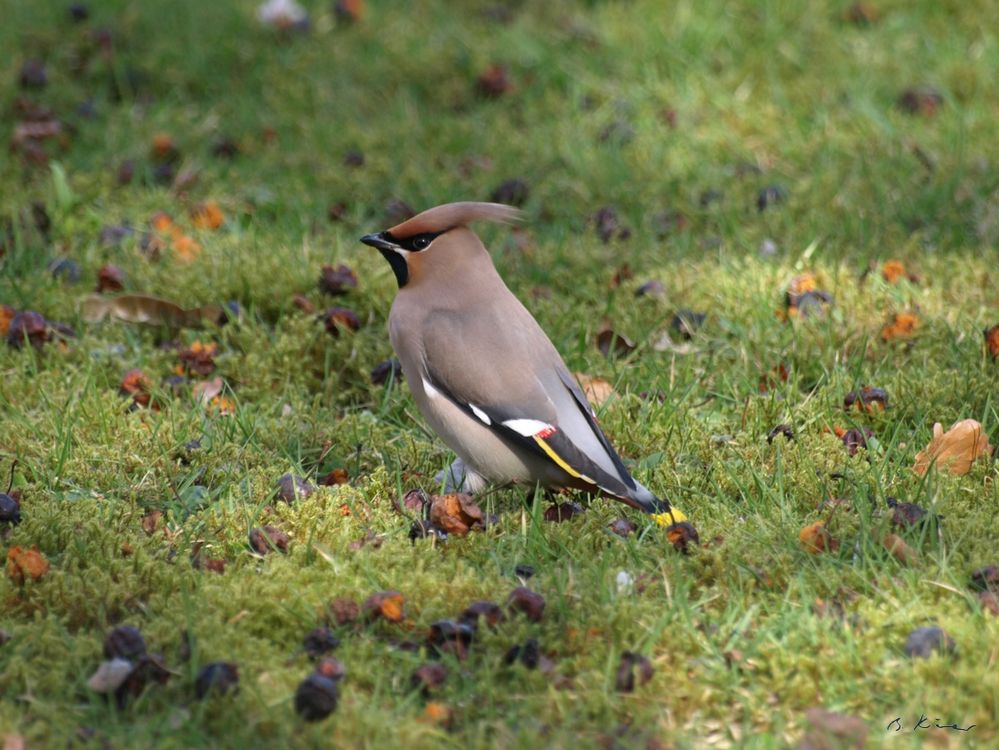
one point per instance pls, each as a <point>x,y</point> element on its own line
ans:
<point>663,511</point>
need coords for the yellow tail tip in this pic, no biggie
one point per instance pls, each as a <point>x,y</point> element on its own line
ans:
<point>670,517</point>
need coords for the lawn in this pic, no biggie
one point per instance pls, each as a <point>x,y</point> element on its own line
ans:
<point>724,159</point>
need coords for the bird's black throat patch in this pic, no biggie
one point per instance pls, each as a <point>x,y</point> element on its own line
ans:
<point>398,263</point>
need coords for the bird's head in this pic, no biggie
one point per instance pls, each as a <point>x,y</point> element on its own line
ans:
<point>440,231</point>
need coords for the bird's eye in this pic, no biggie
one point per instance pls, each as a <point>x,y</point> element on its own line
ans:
<point>421,243</point>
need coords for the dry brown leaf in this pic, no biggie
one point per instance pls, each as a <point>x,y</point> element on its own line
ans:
<point>26,563</point>
<point>612,343</point>
<point>899,549</point>
<point>199,357</point>
<point>186,248</point>
<point>815,538</point>
<point>385,604</point>
<point>893,270</point>
<point>208,215</point>
<point>438,713</point>
<point>597,390</point>
<point>992,341</point>
<point>901,326</point>
<point>207,390</point>
<point>142,308</point>
<point>7,314</point>
<point>954,450</point>
<point>456,513</point>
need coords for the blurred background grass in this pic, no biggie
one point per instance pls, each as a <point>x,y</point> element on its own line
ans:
<point>677,116</point>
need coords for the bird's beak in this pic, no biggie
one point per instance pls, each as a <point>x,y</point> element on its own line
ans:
<point>378,241</point>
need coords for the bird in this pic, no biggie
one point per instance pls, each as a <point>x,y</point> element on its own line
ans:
<point>485,376</point>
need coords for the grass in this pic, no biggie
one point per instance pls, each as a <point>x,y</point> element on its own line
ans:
<point>762,94</point>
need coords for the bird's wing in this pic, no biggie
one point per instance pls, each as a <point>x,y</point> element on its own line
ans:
<point>508,376</point>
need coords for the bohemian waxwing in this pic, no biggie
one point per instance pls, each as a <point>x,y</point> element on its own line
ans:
<point>483,373</point>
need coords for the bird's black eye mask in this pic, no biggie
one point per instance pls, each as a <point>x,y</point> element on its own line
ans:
<point>416,243</point>
<point>389,247</point>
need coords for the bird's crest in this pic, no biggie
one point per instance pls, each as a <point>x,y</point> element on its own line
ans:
<point>450,215</point>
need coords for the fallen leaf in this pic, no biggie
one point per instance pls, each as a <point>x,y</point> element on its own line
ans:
<point>349,10</point>
<point>390,368</point>
<point>511,192</point>
<point>686,322</point>
<point>207,215</point>
<point>428,677</point>
<point>985,579</point>
<point>320,641</point>
<point>185,248</point>
<point>291,488</point>
<point>338,280</point>
<point>267,539</point>
<point>804,299</point>
<point>597,390</point>
<point>455,513</point>
<point>438,713</point>
<point>336,318</point>
<point>207,390</point>
<point>855,438</point>
<point>867,398</point>
<point>862,14</point>
<point>815,538</point>
<point>385,604</point>
<point>343,610</point>
<point>608,228</point>
<point>777,375</point>
<point>141,308</point>
<point>530,603</point>
<point>906,515</point>
<point>901,326</point>
<point>989,601</point>
<point>622,274</point>
<point>110,279</point>
<point>494,81</point>
<point>335,477</point>
<point>29,326</point>
<point>683,536</point>
<point>138,385</point>
<point>218,677</point>
<point>163,148</point>
<point>992,340</point>
<point>451,637</point>
<point>199,357</point>
<point>26,563</point>
<point>488,611</point>
<point>151,520</point>
<point>955,450</point>
<point>892,271</point>
<point>920,100</point>
<point>625,681</point>
<point>7,314</point>
<point>609,341</point>
<point>898,549</point>
<point>781,429</point>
